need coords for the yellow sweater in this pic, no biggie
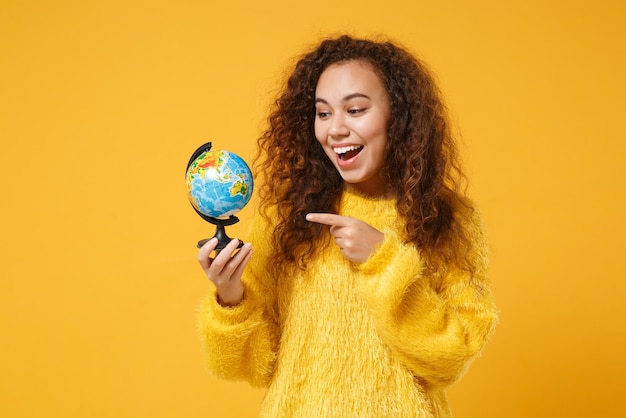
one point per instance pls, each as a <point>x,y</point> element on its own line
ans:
<point>379,339</point>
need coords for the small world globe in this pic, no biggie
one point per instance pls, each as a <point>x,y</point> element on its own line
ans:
<point>219,183</point>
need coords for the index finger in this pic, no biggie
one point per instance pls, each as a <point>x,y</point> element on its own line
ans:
<point>327,219</point>
<point>205,252</point>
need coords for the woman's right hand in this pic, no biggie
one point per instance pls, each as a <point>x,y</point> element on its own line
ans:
<point>225,269</point>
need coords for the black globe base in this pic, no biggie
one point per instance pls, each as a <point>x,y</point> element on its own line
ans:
<point>220,231</point>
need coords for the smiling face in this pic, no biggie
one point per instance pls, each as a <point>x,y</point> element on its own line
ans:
<point>352,115</point>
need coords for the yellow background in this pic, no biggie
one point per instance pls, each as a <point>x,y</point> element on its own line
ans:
<point>103,102</point>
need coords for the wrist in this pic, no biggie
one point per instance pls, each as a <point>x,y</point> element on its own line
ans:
<point>228,303</point>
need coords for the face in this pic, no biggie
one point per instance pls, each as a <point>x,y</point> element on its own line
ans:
<point>352,114</point>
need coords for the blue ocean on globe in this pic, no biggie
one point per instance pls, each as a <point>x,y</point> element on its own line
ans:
<point>219,183</point>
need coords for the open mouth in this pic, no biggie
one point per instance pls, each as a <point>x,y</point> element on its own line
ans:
<point>349,152</point>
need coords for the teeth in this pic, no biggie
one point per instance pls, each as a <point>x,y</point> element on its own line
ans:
<point>343,150</point>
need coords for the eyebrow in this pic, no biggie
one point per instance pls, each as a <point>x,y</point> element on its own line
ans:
<point>348,97</point>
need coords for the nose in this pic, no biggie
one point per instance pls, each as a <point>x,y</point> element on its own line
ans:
<point>338,127</point>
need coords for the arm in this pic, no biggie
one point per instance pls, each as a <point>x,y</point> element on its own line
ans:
<point>435,325</point>
<point>241,341</point>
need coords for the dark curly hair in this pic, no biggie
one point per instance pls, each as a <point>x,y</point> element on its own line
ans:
<point>421,170</point>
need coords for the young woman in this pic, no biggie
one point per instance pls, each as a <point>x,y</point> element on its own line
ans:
<point>366,294</point>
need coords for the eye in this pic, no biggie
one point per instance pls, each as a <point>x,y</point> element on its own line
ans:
<point>356,111</point>
<point>322,114</point>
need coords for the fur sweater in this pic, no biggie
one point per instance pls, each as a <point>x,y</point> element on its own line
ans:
<point>377,339</point>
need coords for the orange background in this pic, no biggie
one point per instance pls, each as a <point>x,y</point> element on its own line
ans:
<point>103,102</point>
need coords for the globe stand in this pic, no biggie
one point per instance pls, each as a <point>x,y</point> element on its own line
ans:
<point>220,231</point>
<point>220,223</point>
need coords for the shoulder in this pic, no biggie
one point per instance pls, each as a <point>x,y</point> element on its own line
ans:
<point>469,216</point>
<point>474,252</point>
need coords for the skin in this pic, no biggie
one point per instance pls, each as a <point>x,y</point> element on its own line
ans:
<point>356,239</point>
<point>225,269</point>
<point>352,110</point>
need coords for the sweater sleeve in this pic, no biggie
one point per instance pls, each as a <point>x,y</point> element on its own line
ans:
<point>435,325</point>
<point>241,342</point>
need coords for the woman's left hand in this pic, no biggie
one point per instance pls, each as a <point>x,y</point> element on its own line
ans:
<point>356,239</point>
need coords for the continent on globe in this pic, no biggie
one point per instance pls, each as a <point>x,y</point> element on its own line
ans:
<point>239,187</point>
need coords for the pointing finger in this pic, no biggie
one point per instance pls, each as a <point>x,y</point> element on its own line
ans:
<point>327,219</point>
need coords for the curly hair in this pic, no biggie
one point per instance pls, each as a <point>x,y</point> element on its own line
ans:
<point>422,168</point>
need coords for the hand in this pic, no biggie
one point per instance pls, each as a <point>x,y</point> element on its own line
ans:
<point>356,239</point>
<point>225,269</point>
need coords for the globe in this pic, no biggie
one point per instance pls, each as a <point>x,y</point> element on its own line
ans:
<point>219,184</point>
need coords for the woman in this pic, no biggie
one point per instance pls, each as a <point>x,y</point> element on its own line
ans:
<point>366,295</point>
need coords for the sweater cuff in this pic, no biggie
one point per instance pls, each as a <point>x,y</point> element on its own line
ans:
<point>390,268</point>
<point>381,256</point>
<point>227,315</point>
<point>391,251</point>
